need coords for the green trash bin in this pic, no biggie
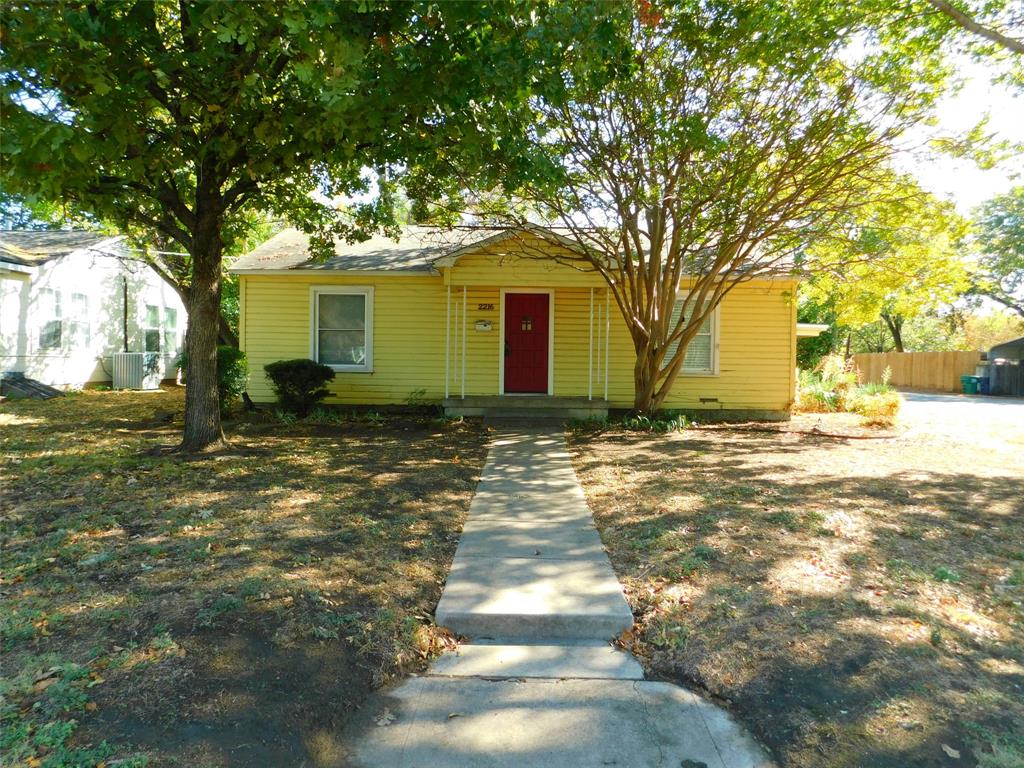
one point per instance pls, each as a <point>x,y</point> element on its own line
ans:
<point>969,385</point>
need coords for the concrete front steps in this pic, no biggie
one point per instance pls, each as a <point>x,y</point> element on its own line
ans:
<point>546,660</point>
<point>527,407</point>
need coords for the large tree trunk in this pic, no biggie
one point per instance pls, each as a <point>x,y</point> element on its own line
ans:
<point>202,407</point>
<point>645,383</point>
<point>895,325</point>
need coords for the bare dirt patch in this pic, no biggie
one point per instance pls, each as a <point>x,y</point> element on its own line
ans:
<point>856,601</point>
<point>228,609</point>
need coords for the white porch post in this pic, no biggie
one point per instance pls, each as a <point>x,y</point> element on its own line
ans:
<point>447,341</point>
<point>607,336</point>
<point>590,350</point>
<point>463,342</point>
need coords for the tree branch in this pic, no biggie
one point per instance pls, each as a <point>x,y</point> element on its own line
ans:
<point>965,21</point>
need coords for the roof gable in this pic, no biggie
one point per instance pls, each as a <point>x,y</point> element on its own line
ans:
<point>34,247</point>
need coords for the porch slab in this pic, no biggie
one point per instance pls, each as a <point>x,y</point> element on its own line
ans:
<point>540,407</point>
<point>556,661</point>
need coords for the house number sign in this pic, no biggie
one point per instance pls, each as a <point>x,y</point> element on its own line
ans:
<point>484,307</point>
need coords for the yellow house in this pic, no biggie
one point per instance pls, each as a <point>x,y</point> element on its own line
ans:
<point>495,321</point>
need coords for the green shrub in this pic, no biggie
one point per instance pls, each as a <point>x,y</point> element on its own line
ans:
<point>875,405</point>
<point>299,384</point>
<point>815,395</point>
<point>232,375</point>
<point>827,386</point>
<point>325,416</point>
<point>833,386</point>
<point>662,423</point>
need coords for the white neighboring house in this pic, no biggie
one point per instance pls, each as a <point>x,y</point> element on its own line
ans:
<point>63,301</point>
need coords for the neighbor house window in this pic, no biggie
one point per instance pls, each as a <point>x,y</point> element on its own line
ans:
<point>701,354</point>
<point>343,328</point>
<point>79,328</point>
<point>170,330</point>
<point>152,328</point>
<point>49,311</point>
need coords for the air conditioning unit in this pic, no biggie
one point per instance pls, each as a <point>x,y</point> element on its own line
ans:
<point>136,370</point>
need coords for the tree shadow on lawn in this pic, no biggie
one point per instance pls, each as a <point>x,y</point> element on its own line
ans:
<point>236,607</point>
<point>854,609</point>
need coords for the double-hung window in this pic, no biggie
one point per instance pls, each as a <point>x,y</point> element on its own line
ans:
<point>170,330</point>
<point>343,327</point>
<point>702,353</point>
<point>79,328</point>
<point>151,330</point>
<point>50,331</point>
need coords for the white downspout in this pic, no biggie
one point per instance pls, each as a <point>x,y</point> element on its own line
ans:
<point>463,342</point>
<point>447,342</point>
<point>607,336</point>
<point>590,350</point>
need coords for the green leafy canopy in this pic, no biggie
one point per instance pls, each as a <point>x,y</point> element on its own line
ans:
<point>185,118</point>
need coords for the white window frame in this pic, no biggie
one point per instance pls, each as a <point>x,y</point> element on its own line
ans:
<point>76,322</point>
<point>158,328</point>
<point>315,292</point>
<point>714,343</point>
<point>57,317</point>
<point>170,345</point>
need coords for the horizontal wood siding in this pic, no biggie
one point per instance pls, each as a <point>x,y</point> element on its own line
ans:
<point>408,335</point>
<point>756,352</point>
<point>519,262</point>
<point>756,336</point>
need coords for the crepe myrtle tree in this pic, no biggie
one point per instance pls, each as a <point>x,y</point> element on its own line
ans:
<point>737,134</point>
<point>185,117</point>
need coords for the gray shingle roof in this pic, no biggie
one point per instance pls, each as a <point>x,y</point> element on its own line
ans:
<point>415,252</point>
<point>30,248</point>
<point>1008,350</point>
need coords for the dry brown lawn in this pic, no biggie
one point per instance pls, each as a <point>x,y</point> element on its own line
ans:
<point>226,610</point>
<point>857,602</point>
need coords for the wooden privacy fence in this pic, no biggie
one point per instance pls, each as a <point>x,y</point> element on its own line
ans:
<point>919,370</point>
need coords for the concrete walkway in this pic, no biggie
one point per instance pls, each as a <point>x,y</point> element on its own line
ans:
<point>539,683</point>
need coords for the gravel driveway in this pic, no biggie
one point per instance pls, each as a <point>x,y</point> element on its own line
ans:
<point>989,423</point>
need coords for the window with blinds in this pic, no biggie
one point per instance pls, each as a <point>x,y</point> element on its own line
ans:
<point>700,355</point>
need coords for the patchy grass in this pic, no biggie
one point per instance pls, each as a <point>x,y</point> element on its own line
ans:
<point>224,610</point>
<point>857,602</point>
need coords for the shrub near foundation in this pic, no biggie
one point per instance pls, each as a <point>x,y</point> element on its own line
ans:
<point>834,386</point>
<point>299,384</point>
<point>876,407</point>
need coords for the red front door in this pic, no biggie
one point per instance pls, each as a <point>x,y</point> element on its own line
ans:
<point>526,342</point>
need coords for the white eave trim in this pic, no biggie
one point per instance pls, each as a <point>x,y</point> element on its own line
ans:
<point>810,330</point>
<point>341,272</point>
<point>22,269</point>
